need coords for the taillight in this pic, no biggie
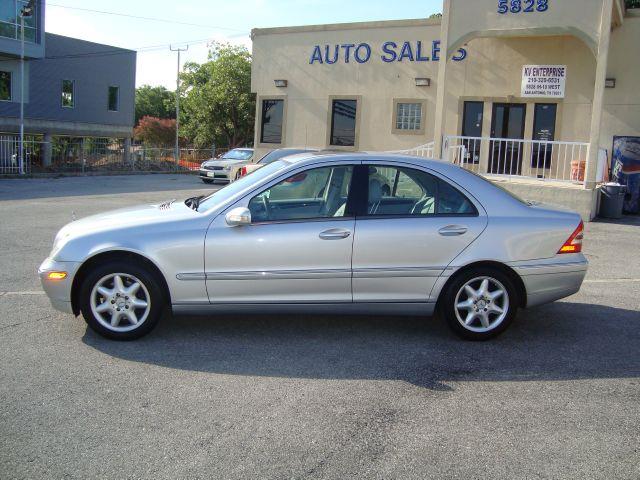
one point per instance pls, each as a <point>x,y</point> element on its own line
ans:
<point>574,243</point>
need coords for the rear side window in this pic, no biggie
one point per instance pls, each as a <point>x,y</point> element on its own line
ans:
<point>399,191</point>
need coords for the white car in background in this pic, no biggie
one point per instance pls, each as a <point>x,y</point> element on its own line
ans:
<point>225,169</point>
<point>270,157</point>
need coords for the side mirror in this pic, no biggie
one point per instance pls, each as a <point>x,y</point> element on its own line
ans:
<point>238,216</point>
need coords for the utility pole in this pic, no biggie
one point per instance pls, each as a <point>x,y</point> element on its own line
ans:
<point>177,152</point>
<point>27,11</point>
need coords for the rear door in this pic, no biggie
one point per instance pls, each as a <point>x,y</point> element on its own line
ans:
<point>415,224</point>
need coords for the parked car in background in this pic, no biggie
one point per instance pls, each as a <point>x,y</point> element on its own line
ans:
<point>317,233</point>
<point>270,157</point>
<point>225,168</point>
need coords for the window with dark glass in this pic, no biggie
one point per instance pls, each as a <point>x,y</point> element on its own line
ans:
<point>5,86</point>
<point>271,124</point>
<point>67,94</point>
<point>472,117</point>
<point>410,192</point>
<point>343,123</point>
<point>114,93</point>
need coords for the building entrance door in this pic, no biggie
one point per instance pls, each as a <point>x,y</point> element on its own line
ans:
<point>507,126</point>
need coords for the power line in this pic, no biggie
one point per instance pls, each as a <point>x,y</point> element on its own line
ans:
<point>140,17</point>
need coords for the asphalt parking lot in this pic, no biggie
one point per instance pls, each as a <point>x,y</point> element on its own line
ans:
<point>557,396</point>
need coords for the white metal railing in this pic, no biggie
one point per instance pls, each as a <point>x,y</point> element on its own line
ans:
<point>553,160</point>
<point>425,151</point>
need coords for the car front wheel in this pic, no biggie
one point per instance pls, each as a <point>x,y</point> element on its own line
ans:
<point>121,301</point>
<point>207,181</point>
<point>480,304</point>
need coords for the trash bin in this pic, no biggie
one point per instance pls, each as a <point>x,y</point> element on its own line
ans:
<point>612,200</point>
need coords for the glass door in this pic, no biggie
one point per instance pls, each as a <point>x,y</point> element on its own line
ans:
<point>505,155</point>
<point>544,129</point>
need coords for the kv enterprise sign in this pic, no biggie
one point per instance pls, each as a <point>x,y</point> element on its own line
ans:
<point>388,52</point>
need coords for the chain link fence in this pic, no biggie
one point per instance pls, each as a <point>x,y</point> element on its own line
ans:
<point>78,155</point>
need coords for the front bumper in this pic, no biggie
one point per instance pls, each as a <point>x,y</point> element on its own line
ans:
<point>58,291</point>
<point>215,175</point>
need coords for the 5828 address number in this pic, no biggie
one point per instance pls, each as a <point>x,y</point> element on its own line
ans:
<point>522,6</point>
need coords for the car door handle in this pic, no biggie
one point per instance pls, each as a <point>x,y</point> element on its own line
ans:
<point>452,230</point>
<point>334,234</point>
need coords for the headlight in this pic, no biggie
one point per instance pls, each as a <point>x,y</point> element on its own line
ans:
<point>227,168</point>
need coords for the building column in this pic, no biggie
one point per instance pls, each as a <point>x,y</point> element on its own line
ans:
<point>127,150</point>
<point>47,150</point>
<point>440,117</point>
<point>598,94</point>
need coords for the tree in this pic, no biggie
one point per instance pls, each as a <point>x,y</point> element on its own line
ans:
<point>218,106</point>
<point>156,131</point>
<point>155,102</point>
<point>435,15</point>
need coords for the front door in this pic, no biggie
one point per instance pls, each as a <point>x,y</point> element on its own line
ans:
<point>415,224</point>
<point>507,126</point>
<point>297,248</point>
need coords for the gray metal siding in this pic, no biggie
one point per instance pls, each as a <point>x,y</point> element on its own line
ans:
<point>93,67</point>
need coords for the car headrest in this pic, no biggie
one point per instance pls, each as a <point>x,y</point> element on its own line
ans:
<point>375,191</point>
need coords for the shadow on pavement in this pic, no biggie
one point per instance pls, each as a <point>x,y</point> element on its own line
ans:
<point>33,188</point>
<point>562,341</point>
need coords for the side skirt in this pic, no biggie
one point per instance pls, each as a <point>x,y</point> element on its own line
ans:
<point>412,309</point>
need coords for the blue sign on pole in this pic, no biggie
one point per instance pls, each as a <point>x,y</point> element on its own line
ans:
<point>389,52</point>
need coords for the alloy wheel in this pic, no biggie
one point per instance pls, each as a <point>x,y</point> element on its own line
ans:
<point>481,304</point>
<point>120,302</point>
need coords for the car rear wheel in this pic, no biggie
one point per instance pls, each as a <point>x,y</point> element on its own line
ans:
<point>480,304</point>
<point>121,301</point>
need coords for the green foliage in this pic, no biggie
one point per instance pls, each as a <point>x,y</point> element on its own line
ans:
<point>155,102</point>
<point>632,3</point>
<point>216,103</point>
<point>435,15</point>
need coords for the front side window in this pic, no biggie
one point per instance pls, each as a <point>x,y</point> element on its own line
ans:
<point>410,192</point>
<point>272,119</point>
<point>67,93</point>
<point>312,194</point>
<point>5,86</point>
<point>343,123</point>
<point>409,116</point>
<point>114,94</point>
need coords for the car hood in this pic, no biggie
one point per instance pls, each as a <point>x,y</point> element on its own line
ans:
<point>224,163</point>
<point>139,217</point>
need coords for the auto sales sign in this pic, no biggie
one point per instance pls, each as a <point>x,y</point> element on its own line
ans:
<point>544,81</point>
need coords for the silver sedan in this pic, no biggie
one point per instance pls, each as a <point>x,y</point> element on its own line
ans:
<point>320,233</point>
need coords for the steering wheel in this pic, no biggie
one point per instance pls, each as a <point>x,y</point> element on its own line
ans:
<point>267,207</point>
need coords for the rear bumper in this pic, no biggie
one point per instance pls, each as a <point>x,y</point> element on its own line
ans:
<point>548,281</point>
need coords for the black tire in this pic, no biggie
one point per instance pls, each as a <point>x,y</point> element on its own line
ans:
<point>151,286</point>
<point>447,304</point>
<point>207,181</point>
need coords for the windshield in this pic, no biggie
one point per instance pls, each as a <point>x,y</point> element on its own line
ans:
<point>278,154</point>
<point>238,186</point>
<point>238,155</point>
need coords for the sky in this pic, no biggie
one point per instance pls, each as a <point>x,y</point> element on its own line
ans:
<point>217,20</point>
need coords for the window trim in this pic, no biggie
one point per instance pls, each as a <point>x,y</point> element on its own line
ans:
<point>258,135</point>
<point>117,98</point>
<point>73,93</point>
<point>356,139</point>
<point>394,116</point>
<point>10,99</point>
<point>363,180</point>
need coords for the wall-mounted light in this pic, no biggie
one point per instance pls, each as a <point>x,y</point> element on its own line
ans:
<point>281,83</point>
<point>423,82</point>
<point>610,83</point>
